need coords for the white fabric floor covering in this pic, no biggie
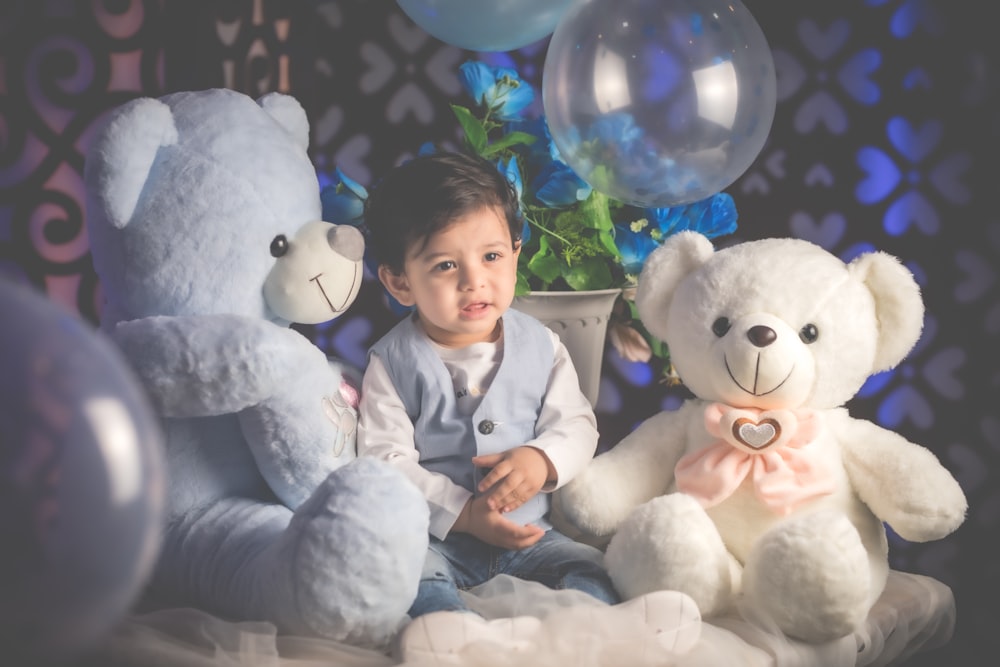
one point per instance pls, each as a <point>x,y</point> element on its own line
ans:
<point>915,613</point>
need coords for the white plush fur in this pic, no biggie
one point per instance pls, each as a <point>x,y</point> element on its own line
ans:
<point>816,571</point>
<point>204,220</point>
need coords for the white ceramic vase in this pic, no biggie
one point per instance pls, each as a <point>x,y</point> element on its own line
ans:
<point>581,321</point>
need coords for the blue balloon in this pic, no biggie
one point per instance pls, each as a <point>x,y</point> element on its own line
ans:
<point>659,103</point>
<point>487,25</point>
<point>81,482</point>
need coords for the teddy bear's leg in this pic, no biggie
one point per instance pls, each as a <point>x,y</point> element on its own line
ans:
<point>671,543</point>
<point>344,566</point>
<point>810,575</point>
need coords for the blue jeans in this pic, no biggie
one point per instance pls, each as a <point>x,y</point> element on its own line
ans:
<point>462,561</point>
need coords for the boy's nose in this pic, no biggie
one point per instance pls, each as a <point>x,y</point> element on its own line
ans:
<point>470,278</point>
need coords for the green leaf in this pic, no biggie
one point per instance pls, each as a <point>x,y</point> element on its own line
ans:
<point>595,212</point>
<point>591,273</point>
<point>522,286</point>
<point>507,141</point>
<point>607,241</point>
<point>545,263</point>
<point>633,309</point>
<point>475,133</point>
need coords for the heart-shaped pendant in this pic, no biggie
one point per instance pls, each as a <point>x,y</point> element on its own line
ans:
<point>757,435</point>
<point>751,430</point>
<point>755,431</point>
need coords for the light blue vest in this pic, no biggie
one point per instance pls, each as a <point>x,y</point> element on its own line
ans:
<point>446,439</point>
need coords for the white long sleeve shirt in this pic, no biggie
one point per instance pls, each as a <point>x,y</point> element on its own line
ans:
<point>566,428</point>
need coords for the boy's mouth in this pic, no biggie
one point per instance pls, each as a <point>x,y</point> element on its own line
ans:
<point>474,308</point>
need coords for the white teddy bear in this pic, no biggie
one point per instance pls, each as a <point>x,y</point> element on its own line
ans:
<point>762,489</point>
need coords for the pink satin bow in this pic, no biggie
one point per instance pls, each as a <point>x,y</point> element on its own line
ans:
<point>771,446</point>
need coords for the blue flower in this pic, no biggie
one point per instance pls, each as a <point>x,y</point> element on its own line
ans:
<point>712,216</point>
<point>538,152</point>
<point>513,173</point>
<point>721,217</point>
<point>343,200</point>
<point>499,89</point>
<point>634,243</point>
<point>557,185</point>
<point>511,170</point>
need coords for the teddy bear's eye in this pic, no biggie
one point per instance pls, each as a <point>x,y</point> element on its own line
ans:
<point>279,246</point>
<point>721,326</point>
<point>809,333</point>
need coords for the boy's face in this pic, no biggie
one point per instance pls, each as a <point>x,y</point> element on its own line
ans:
<point>461,281</point>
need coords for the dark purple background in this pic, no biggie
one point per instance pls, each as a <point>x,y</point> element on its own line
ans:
<point>899,95</point>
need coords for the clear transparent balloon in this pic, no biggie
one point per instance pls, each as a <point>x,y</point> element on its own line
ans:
<point>487,25</point>
<point>659,102</point>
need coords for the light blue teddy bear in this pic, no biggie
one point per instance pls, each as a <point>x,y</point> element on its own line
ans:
<point>203,210</point>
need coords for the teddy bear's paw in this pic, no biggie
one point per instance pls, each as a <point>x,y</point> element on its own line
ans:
<point>592,502</point>
<point>354,552</point>
<point>673,617</point>
<point>455,638</point>
<point>670,543</point>
<point>810,575</point>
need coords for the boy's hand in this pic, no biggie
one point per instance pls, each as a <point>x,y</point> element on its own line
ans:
<point>491,527</point>
<point>517,475</point>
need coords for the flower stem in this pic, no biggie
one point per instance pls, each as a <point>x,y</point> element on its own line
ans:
<point>545,229</point>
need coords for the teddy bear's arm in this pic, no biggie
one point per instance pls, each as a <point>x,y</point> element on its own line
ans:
<point>213,364</point>
<point>637,469</point>
<point>903,483</point>
<point>301,434</point>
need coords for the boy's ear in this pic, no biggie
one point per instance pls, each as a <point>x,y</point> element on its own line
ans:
<point>397,285</point>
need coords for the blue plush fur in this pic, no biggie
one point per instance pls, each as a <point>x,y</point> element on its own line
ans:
<point>203,210</point>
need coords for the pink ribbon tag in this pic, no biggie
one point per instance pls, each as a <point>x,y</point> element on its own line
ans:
<point>350,394</point>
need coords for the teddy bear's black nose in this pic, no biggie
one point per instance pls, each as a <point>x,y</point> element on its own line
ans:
<point>761,336</point>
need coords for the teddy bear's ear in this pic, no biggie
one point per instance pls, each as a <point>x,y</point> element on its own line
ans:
<point>290,115</point>
<point>122,154</point>
<point>899,307</point>
<point>663,271</point>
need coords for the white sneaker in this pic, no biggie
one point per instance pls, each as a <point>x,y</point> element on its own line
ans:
<point>450,637</point>
<point>673,616</point>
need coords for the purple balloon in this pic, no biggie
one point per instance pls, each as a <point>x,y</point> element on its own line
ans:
<point>81,482</point>
<point>659,102</point>
<point>487,25</point>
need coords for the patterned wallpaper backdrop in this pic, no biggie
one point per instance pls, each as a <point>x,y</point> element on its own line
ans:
<point>885,136</point>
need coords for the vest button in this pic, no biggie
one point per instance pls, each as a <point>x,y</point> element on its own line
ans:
<point>485,427</point>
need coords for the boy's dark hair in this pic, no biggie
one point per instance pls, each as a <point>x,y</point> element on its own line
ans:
<point>426,194</point>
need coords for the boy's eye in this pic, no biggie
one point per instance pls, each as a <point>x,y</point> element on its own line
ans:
<point>492,256</point>
<point>444,266</point>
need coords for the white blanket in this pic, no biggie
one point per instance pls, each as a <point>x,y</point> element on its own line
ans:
<point>915,613</point>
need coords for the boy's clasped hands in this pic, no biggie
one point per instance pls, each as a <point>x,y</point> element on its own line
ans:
<point>516,476</point>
